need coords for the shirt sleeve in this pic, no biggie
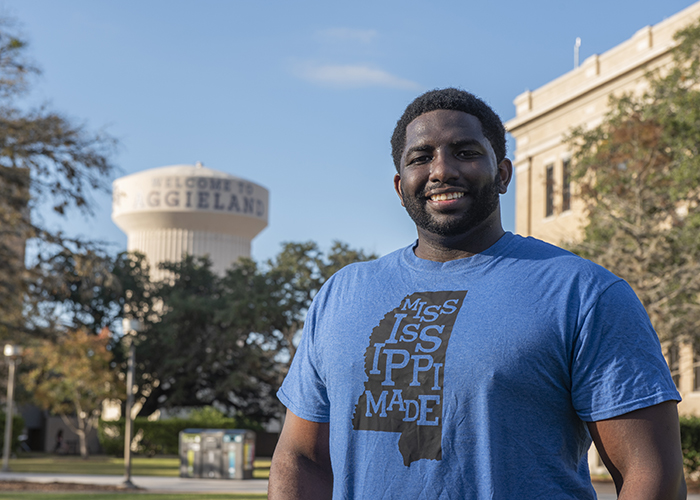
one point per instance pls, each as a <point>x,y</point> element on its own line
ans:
<point>617,364</point>
<point>303,391</point>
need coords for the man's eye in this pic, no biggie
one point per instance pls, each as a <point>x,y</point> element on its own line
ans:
<point>419,159</point>
<point>468,154</point>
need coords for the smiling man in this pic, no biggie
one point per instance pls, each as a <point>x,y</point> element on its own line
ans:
<point>474,363</point>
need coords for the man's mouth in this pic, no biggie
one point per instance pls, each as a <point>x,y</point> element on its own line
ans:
<point>446,196</point>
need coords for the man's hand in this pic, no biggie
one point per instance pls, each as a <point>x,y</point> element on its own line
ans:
<point>301,465</point>
<point>642,451</point>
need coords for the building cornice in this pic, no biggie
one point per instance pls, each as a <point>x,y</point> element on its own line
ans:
<point>646,45</point>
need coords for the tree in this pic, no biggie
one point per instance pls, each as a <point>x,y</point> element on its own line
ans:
<point>227,341</point>
<point>72,376</point>
<point>196,351</point>
<point>296,275</point>
<point>638,173</point>
<point>93,290</point>
<point>45,160</point>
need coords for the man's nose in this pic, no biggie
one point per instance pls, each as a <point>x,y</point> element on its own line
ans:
<point>443,168</point>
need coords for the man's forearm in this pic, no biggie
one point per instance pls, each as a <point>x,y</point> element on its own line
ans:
<point>653,486</point>
<point>294,477</point>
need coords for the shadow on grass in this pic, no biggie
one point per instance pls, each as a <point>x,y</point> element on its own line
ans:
<point>165,466</point>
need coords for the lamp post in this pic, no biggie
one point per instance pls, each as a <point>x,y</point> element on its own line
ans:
<point>13,353</point>
<point>131,327</point>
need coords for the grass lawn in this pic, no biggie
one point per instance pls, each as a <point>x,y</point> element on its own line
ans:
<point>140,466</point>
<point>127,496</point>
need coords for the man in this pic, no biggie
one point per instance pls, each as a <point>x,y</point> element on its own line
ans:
<point>473,364</point>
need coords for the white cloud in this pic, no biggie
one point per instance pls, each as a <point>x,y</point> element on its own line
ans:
<point>352,76</point>
<point>348,34</point>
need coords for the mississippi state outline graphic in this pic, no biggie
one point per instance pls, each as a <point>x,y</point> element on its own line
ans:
<point>405,363</point>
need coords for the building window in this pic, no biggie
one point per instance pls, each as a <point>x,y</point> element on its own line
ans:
<point>566,187</point>
<point>674,363</point>
<point>696,366</point>
<point>549,209</point>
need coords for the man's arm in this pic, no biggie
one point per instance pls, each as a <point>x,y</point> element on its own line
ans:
<point>642,451</point>
<point>301,464</point>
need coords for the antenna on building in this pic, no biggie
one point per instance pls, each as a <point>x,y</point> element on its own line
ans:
<point>577,45</point>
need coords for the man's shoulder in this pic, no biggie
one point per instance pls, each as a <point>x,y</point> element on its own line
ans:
<point>358,279</point>
<point>530,244</point>
<point>368,268</point>
<point>537,253</point>
<point>530,247</point>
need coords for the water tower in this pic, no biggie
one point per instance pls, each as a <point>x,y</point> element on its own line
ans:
<point>169,211</point>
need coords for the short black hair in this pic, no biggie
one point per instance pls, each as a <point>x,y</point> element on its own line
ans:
<point>456,100</point>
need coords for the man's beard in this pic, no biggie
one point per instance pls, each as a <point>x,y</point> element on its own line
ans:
<point>484,202</point>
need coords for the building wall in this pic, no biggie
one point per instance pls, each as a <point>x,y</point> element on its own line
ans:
<point>546,115</point>
<point>71,442</point>
<point>684,360</point>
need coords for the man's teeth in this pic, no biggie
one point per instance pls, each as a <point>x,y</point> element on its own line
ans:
<point>446,196</point>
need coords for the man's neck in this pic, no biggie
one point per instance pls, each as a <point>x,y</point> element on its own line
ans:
<point>445,248</point>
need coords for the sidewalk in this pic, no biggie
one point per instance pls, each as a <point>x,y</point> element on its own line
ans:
<point>154,484</point>
<point>606,491</point>
<point>158,484</point>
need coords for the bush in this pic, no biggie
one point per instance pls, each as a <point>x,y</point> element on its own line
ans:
<point>17,427</point>
<point>160,437</point>
<point>690,443</point>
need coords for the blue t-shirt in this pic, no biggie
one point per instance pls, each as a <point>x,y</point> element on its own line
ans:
<point>473,378</point>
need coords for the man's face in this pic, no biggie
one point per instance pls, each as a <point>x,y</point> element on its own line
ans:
<point>449,180</point>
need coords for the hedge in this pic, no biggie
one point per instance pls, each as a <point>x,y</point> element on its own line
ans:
<point>160,437</point>
<point>17,428</point>
<point>690,443</point>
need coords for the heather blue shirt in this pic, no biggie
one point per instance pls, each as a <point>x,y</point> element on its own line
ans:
<point>473,378</point>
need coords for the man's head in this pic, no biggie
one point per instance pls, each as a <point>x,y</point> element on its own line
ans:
<point>456,100</point>
<point>449,149</point>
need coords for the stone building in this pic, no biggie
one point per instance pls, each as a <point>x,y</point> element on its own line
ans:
<point>546,205</point>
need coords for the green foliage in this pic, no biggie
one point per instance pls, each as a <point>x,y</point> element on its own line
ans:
<point>638,173</point>
<point>196,352</point>
<point>17,427</point>
<point>160,437</point>
<point>92,289</point>
<point>690,443</point>
<point>228,340</point>
<point>45,158</point>
<point>208,415</point>
<point>71,376</point>
<point>295,275</point>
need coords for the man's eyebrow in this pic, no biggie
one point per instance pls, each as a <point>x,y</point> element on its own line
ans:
<point>455,144</point>
<point>466,142</point>
<point>419,147</point>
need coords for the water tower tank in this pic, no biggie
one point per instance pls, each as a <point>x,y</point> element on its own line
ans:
<point>169,211</point>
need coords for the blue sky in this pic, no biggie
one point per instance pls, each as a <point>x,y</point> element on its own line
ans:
<point>301,96</point>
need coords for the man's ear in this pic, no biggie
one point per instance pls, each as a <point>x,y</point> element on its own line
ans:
<point>505,173</point>
<point>397,187</point>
